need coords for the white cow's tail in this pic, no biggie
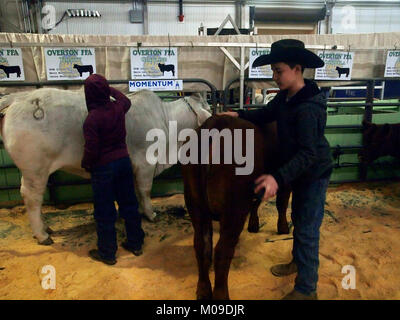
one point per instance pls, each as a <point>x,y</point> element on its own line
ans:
<point>2,119</point>
<point>4,104</point>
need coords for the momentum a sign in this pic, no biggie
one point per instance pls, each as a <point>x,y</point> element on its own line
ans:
<point>156,85</point>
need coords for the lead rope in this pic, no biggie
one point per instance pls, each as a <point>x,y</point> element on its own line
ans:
<point>192,109</point>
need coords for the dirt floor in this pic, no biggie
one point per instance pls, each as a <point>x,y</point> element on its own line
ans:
<point>361,228</point>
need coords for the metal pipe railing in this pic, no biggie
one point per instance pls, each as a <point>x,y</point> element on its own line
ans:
<point>40,84</point>
<point>352,81</point>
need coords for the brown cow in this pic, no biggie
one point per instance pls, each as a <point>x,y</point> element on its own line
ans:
<point>379,140</point>
<point>215,191</point>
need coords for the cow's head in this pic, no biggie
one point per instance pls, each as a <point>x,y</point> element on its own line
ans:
<point>200,107</point>
<point>376,141</point>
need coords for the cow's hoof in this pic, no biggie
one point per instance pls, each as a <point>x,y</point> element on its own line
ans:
<point>152,217</point>
<point>253,229</point>
<point>283,230</point>
<point>204,296</point>
<point>49,230</point>
<point>220,296</point>
<point>204,291</point>
<point>46,242</point>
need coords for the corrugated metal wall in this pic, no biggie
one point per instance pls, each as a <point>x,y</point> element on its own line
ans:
<point>114,19</point>
<point>370,16</point>
<point>163,18</point>
<point>367,19</point>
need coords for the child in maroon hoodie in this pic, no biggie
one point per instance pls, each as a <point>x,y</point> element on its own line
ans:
<point>106,158</point>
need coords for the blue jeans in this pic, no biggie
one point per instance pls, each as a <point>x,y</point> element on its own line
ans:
<point>308,201</point>
<point>114,182</point>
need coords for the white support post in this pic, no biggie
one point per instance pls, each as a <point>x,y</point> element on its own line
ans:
<point>228,18</point>
<point>230,57</point>
<point>242,68</point>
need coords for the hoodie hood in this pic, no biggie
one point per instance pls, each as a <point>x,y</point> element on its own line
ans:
<point>97,92</point>
<point>309,93</point>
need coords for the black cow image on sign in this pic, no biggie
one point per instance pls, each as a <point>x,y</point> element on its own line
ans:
<point>341,71</point>
<point>167,67</point>
<point>11,69</point>
<point>82,69</point>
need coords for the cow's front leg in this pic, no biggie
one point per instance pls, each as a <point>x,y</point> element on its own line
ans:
<point>143,184</point>
<point>230,229</point>
<point>32,190</point>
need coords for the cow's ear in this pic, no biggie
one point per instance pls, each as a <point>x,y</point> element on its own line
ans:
<point>197,96</point>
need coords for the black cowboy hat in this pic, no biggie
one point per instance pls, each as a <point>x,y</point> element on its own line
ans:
<point>289,50</point>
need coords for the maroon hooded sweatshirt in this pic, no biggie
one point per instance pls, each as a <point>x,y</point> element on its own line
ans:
<point>104,128</point>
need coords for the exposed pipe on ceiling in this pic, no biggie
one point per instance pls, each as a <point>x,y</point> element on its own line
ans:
<point>157,1</point>
<point>17,7</point>
<point>32,12</point>
<point>22,4</point>
<point>39,7</point>
<point>181,16</point>
<point>252,2</point>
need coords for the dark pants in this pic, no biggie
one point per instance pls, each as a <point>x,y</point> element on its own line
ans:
<point>114,181</point>
<point>307,213</point>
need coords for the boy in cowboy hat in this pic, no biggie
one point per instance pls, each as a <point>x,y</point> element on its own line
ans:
<point>300,111</point>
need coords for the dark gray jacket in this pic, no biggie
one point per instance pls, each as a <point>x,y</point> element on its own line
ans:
<point>305,152</point>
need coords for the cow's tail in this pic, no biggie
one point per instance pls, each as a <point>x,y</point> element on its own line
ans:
<point>2,119</point>
<point>3,107</point>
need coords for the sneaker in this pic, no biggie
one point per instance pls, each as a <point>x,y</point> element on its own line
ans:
<point>95,255</point>
<point>283,270</point>
<point>136,252</point>
<point>297,295</point>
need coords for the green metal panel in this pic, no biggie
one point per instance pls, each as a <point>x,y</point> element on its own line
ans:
<point>5,159</point>
<point>10,177</point>
<point>352,137</point>
<point>65,178</point>
<point>73,193</point>
<point>12,197</point>
<point>167,187</point>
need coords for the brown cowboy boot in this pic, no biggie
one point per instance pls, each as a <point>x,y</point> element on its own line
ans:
<point>283,270</point>
<point>297,295</point>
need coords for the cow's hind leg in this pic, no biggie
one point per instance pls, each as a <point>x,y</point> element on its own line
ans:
<point>202,225</point>
<point>254,223</point>
<point>230,229</point>
<point>143,183</point>
<point>282,200</point>
<point>32,191</point>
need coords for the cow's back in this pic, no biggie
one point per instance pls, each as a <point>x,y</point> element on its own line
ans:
<point>145,113</point>
<point>217,187</point>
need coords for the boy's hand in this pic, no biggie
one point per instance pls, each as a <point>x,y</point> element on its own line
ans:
<point>229,113</point>
<point>270,185</point>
